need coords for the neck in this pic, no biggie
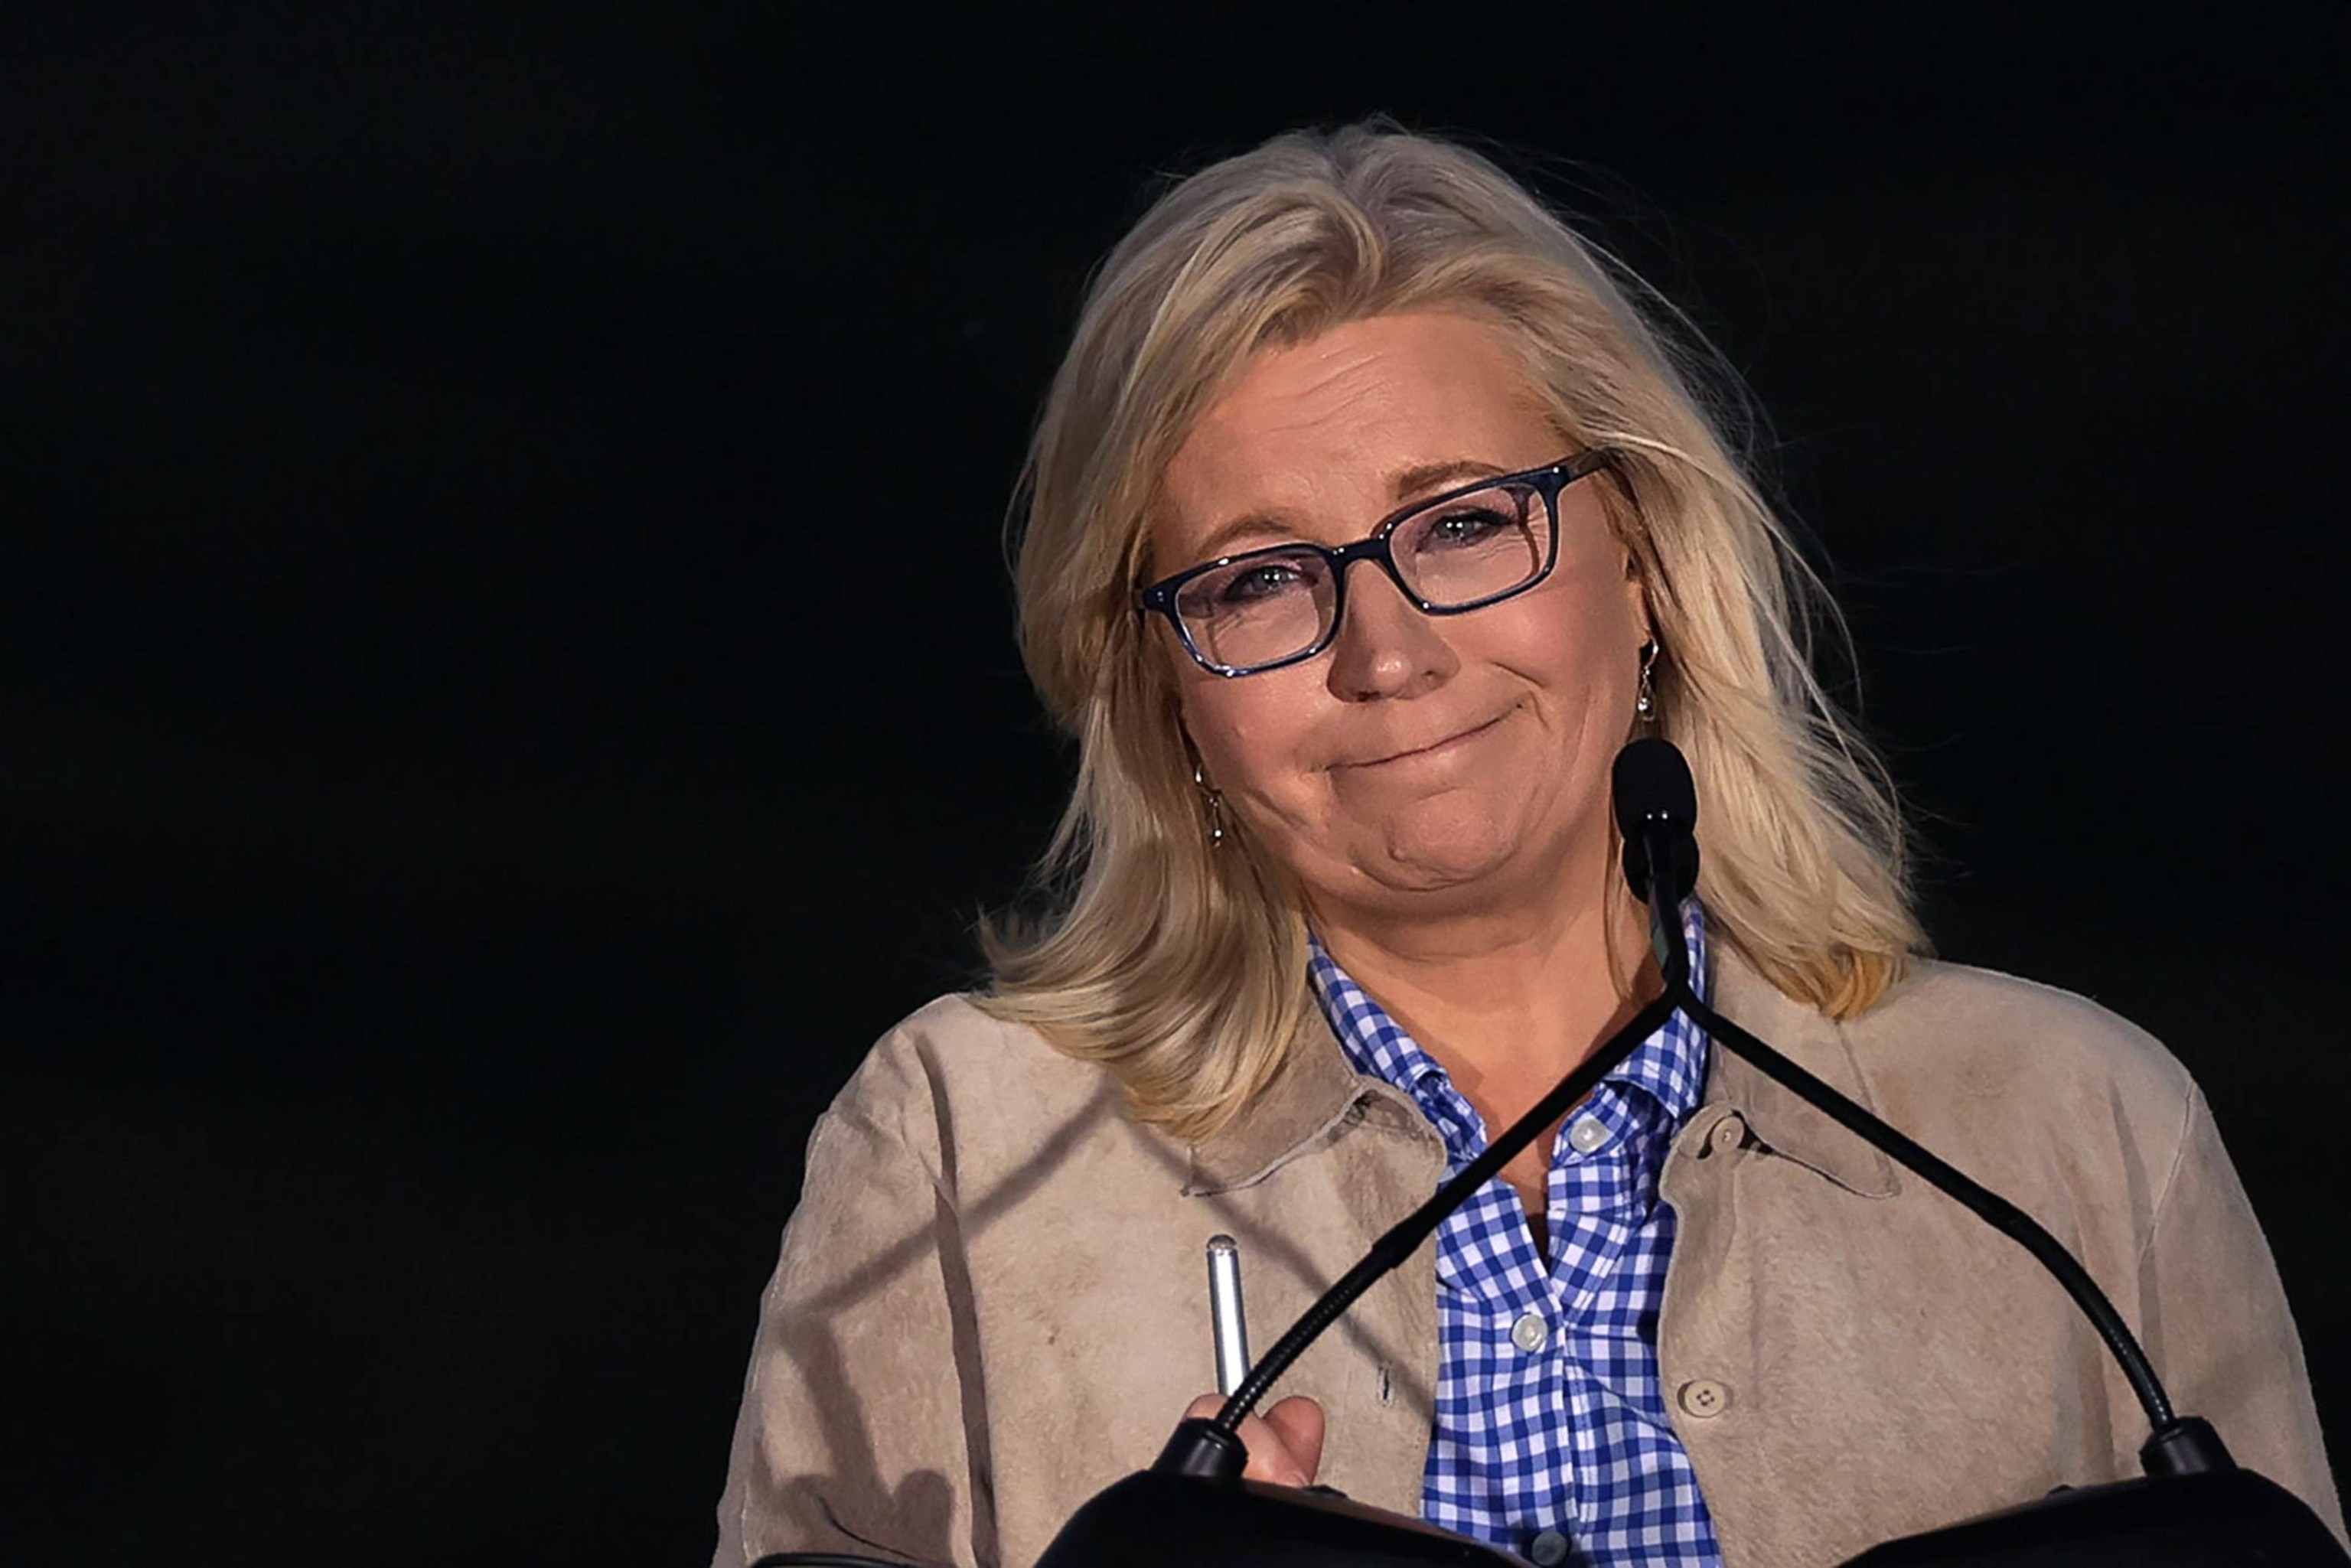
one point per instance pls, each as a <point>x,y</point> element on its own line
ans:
<point>1505,1001</point>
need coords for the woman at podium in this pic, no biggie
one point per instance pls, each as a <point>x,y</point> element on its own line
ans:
<point>1371,512</point>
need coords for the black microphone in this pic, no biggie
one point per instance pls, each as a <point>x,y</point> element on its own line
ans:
<point>1657,815</point>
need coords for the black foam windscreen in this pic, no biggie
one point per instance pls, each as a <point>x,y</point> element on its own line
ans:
<point>1652,782</point>
<point>1656,811</point>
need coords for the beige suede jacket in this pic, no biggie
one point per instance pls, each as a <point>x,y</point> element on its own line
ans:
<point>991,1301</point>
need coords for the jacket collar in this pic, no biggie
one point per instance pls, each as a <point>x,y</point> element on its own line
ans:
<point>1813,1042</point>
<point>1316,1090</point>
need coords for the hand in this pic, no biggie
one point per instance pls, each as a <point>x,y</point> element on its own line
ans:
<point>1285,1444</point>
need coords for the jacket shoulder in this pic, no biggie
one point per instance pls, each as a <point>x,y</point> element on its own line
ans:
<point>1994,1054</point>
<point>1962,1011</point>
<point>951,1069</point>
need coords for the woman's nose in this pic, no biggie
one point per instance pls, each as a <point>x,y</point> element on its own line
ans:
<point>1385,647</point>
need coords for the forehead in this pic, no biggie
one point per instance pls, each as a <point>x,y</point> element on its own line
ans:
<point>1323,427</point>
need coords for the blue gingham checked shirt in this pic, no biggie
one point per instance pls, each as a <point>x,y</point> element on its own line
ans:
<point>1551,1438</point>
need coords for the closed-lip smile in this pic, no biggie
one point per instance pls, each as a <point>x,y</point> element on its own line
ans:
<point>1433,746</point>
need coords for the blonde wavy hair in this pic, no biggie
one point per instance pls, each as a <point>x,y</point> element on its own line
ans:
<point>1182,967</point>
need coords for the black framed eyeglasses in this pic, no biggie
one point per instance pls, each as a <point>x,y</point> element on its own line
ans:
<point>1244,615</point>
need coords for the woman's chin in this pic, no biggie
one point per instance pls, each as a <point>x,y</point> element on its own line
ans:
<point>1432,852</point>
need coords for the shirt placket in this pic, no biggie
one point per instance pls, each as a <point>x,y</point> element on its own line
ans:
<point>1591,1221</point>
<point>1492,1261</point>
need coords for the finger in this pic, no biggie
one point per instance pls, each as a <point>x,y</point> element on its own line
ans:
<point>1270,1458</point>
<point>1300,1424</point>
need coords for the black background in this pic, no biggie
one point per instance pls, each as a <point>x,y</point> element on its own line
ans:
<point>506,652</point>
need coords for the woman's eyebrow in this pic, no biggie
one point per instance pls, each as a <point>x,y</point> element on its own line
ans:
<point>1421,478</point>
<point>1220,543</point>
<point>1408,483</point>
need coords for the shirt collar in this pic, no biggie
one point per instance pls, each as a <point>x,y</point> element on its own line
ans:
<point>1669,1066</point>
<point>1318,1089</point>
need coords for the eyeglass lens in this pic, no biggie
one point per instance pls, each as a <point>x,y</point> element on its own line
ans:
<point>1275,605</point>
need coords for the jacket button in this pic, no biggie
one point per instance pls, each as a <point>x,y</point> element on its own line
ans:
<point>1548,1550</point>
<point>1728,1134</point>
<point>1529,1332</point>
<point>1703,1397</point>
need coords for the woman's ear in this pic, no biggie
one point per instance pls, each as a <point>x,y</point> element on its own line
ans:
<point>1636,598</point>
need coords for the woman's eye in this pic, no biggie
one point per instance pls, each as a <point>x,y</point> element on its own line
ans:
<point>1470,526</point>
<point>1260,583</point>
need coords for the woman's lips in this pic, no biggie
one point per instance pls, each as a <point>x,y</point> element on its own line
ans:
<point>1436,748</point>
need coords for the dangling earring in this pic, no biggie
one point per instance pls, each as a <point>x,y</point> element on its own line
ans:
<point>1644,703</point>
<point>1214,798</point>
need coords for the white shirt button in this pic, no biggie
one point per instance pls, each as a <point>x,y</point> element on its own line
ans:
<point>1531,1333</point>
<point>1548,1550</point>
<point>1587,1134</point>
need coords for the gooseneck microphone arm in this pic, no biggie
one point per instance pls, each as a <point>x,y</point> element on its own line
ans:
<point>1403,1238</point>
<point>1657,810</point>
